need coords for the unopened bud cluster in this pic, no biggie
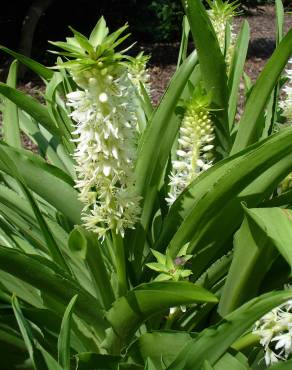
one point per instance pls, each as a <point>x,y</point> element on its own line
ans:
<point>139,74</point>
<point>275,332</point>
<point>221,15</point>
<point>195,152</point>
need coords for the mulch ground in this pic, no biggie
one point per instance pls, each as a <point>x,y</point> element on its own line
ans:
<point>163,56</point>
<point>262,44</point>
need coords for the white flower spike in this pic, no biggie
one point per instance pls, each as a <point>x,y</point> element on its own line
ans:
<point>195,151</point>
<point>104,111</point>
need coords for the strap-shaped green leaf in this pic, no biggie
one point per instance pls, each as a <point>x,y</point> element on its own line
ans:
<point>236,70</point>
<point>216,190</point>
<point>229,362</point>
<point>37,67</point>
<point>54,282</point>
<point>261,93</point>
<point>30,105</point>
<point>64,337</point>
<point>150,298</point>
<point>28,337</point>
<point>213,342</point>
<point>254,254</point>
<point>10,115</point>
<point>160,346</point>
<point>52,184</point>
<point>155,148</point>
<point>51,243</point>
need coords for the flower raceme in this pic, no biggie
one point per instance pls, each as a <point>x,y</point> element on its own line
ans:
<point>275,332</point>
<point>195,145</point>
<point>103,109</point>
<point>221,14</point>
<point>139,74</point>
<point>286,105</point>
<point>106,153</point>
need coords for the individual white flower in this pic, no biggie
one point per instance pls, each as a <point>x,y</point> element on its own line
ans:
<point>271,357</point>
<point>195,152</point>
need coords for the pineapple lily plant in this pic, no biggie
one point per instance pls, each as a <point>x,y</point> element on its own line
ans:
<point>144,237</point>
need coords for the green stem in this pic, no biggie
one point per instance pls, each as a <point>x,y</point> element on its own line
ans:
<point>120,261</point>
<point>246,341</point>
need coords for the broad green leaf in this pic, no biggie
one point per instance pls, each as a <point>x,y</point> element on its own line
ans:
<point>37,67</point>
<point>31,232</point>
<point>236,70</point>
<point>253,256</point>
<point>64,337</point>
<point>10,116</point>
<point>160,346</point>
<point>150,298</point>
<point>49,182</point>
<point>47,146</point>
<point>86,245</point>
<point>192,215</point>
<point>51,243</point>
<point>213,342</point>
<point>30,105</point>
<point>20,288</point>
<point>46,276</point>
<point>212,65</point>
<point>261,93</point>
<point>229,362</point>
<point>217,240</point>
<point>276,223</point>
<point>154,152</point>
<point>261,234</point>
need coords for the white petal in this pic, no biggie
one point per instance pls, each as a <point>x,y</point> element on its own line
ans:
<point>106,170</point>
<point>103,98</point>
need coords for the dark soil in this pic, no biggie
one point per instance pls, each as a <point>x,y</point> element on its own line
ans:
<point>262,44</point>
